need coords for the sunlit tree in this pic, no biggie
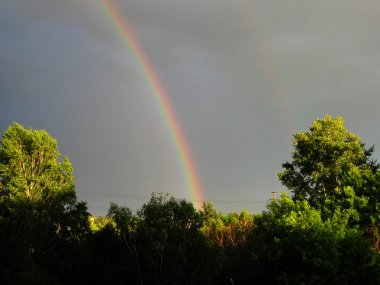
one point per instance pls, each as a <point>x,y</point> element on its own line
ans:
<point>39,210</point>
<point>332,169</point>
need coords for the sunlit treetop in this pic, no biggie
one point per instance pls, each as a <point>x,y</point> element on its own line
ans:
<point>30,164</point>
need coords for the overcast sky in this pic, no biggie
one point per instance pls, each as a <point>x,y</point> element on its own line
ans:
<point>242,76</point>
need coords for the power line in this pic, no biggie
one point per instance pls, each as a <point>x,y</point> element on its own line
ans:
<point>136,196</point>
<point>140,196</point>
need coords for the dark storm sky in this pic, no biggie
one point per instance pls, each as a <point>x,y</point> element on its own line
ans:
<point>242,76</point>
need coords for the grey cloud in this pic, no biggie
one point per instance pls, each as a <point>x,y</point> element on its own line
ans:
<point>242,75</point>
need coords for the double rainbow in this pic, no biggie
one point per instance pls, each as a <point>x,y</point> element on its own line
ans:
<point>161,96</point>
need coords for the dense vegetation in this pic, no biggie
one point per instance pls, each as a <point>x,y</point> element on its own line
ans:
<point>326,233</point>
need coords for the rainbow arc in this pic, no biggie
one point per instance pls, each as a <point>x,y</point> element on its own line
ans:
<point>162,98</point>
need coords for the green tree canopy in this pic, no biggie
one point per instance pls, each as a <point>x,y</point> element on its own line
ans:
<point>39,213</point>
<point>332,169</point>
<point>30,166</point>
<point>227,230</point>
<point>292,244</point>
<point>164,243</point>
<point>324,161</point>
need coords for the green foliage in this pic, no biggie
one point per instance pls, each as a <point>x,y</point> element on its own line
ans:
<point>29,165</point>
<point>229,232</point>
<point>226,230</point>
<point>161,244</point>
<point>320,236</point>
<point>322,159</point>
<point>332,170</point>
<point>174,251</point>
<point>99,223</point>
<point>292,244</point>
<point>39,213</point>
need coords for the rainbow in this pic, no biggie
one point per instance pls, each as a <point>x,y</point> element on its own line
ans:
<point>162,98</point>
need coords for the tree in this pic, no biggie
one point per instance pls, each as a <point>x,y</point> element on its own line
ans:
<point>172,249</point>
<point>292,244</point>
<point>226,230</point>
<point>29,165</point>
<point>161,244</point>
<point>230,233</point>
<point>39,213</point>
<point>322,158</point>
<point>332,169</point>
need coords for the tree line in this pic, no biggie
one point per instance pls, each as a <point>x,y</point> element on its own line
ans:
<point>327,232</point>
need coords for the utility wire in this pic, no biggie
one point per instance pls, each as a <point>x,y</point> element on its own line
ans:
<point>138,196</point>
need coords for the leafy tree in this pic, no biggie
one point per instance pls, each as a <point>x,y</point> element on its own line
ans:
<point>292,244</point>
<point>98,223</point>
<point>230,233</point>
<point>322,157</point>
<point>174,251</point>
<point>213,224</point>
<point>226,230</point>
<point>332,169</point>
<point>29,165</point>
<point>111,245</point>
<point>162,244</point>
<point>39,213</point>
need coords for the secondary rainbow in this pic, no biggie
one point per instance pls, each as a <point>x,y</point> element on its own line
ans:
<point>268,60</point>
<point>163,101</point>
